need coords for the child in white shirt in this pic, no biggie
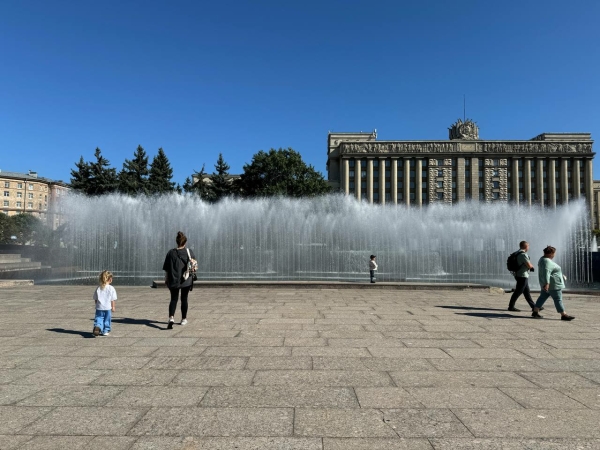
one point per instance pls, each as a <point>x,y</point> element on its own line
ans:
<point>372,268</point>
<point>104,296</point>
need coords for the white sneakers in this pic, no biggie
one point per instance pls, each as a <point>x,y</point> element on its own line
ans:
<point>184,322</point>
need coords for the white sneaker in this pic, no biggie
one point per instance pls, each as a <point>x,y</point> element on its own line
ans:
<point>106,334</point>
<point>184,322</point>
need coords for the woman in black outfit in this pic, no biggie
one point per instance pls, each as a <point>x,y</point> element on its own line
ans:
<point>176,263</point>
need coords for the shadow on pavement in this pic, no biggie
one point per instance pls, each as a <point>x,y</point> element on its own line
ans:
<point>83,334</point>
<point>148,323</point>
<point>493,316</point>
<point>471,308</point>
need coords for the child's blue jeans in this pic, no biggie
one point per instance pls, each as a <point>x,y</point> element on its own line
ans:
<point>102,320</point>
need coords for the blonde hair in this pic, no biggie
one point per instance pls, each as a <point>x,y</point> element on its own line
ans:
<point>104,278</point>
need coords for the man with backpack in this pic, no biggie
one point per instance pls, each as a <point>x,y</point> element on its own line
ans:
<point>518,263</point>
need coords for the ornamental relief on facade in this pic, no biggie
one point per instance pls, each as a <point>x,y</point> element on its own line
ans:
<point>449,147</point>
<point>502,176</point>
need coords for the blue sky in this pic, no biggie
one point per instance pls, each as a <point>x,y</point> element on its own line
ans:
<point>198,78</point>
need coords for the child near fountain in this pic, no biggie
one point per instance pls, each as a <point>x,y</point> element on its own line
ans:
<point>372,268</point>
<point>104,296</point>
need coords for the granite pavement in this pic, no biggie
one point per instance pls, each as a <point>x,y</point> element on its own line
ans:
<point>297,369</point>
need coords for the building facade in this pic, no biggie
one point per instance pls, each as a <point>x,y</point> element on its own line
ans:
<point>549,170</point>
<point>28,193</point>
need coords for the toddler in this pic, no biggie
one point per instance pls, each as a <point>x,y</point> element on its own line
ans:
<point>104,296</point>
<point>372,268</point>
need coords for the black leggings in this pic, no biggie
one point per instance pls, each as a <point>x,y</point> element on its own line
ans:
<point>184,301</point>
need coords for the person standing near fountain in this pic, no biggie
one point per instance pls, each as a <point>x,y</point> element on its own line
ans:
<point>104,297</point>
<point>176,263</point>
<point>522,276</point>
<point>372,268</point>
<point>552,282</point>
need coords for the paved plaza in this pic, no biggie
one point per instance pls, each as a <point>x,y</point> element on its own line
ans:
<point>297,369</point>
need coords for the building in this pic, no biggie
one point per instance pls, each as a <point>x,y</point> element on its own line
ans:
<point>28,193</point>
<point>550,169</point>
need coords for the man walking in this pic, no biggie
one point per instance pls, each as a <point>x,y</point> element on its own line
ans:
<point>522,277</point>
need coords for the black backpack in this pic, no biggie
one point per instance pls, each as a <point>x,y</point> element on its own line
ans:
<point>512,263</point>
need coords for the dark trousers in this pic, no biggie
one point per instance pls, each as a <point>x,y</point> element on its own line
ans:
<point>372,272</point>
<point>522,288</point>
<point>184,301</point>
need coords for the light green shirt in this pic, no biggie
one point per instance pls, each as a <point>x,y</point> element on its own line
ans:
<point>550,273</point>
<point>522,260</point>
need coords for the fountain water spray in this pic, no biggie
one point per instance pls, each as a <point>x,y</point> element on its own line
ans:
<point>326,238</point>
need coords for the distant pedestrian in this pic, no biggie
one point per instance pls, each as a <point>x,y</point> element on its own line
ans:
<point>178,277</point>
<point>552,282</point>
<point>521,273</point>
<point>372,267</point>
<point>105,297</point>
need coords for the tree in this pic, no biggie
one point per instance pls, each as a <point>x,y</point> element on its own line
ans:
<point>281,172</point>
<point>161,173</point>
<point>198,186</point>
<point>81,176</point>
<point>103,179</point>
<point>133,178</point>
<point>221,181</point>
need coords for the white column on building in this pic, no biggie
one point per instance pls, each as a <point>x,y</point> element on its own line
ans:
<point>394,180</point>
<point>370,180</point>
<point>475,179</point>
<point>345,176</point>
<point>527,180</point>
<point>552,182</point>
<point>515,180</point>
<point>419,181</point>
<point>460,179</point>
<point>564,181</point>
<point>589,184</point>
<point>406,181</point>
<point>539,173</point>
<point>358,178</point>
<point>576,179</point>
<point>382,189</point>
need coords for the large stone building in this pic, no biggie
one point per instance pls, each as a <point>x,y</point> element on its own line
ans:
<point>28,193</point>
<point>550,169</point>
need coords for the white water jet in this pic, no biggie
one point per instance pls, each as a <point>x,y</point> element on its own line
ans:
<point>315,239</point>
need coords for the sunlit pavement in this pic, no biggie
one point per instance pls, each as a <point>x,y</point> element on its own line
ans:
<point>298,369</point>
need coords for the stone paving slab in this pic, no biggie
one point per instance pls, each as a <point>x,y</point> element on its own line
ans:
<point>297,369</point>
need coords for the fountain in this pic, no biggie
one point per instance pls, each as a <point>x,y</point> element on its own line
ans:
<point>327,238</point>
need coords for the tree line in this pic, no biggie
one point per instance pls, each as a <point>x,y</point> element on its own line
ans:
<point>279,172</point>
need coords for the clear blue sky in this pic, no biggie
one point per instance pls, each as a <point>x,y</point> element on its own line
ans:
<point>198,78</point>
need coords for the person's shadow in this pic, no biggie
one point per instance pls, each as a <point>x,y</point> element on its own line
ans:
<point>83,334</point>
<point>148,323</point>
<point>470,308</point>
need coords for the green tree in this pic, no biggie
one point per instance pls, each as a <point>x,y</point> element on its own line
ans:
<point>161,173</point>
<point>133,178</point>
<point>26,228</point>
<point>103,178</point>
<point>221,185</point>
<point>281,172</point>
<point>196,185</point>
<point>80,176</point>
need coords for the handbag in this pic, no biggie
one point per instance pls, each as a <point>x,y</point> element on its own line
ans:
<point>192,267</point>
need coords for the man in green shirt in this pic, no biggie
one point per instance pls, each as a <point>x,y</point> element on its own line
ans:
<point>522,277</point>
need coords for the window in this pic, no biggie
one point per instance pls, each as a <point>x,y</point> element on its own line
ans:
<point>495,173</point>
<point>424,185</point>
<point>363,184</point>
<point>6,194</point>
<point>495,195</point>
<point>375,184</point>
<point>30,205</point>
<point>467,162</point>
<point>363,174</point>
<point>45,198</point>
<point>7,184</point>
<point>19,195</point>
<point>424,163</point>
<point>388,163</point>
<point>496,184</point>
<point>39,206</point>
<point>440,184</point>
<point>6,203</point>
<point>352,185</point>
<point>467,185</point>
<point>495,162</point>
<point>412,184</point>
<point>400,184</point>
<point>440,173</point>
<point>363,163</point>
<point>375,163</point>
<point>30,187</point>
<point>19,204</point>
<point>19,185</point>
<point>351,163</point>
<point>30,196</point>
<point>440,196</point>
<point>440,162</point>
<point>351,174</point>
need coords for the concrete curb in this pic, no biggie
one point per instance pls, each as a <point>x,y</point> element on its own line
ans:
<point>15,283</point>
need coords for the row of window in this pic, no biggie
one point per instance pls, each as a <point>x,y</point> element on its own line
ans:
<point>29,196</point>
<point>30,186</point>
<point>20,204</point>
